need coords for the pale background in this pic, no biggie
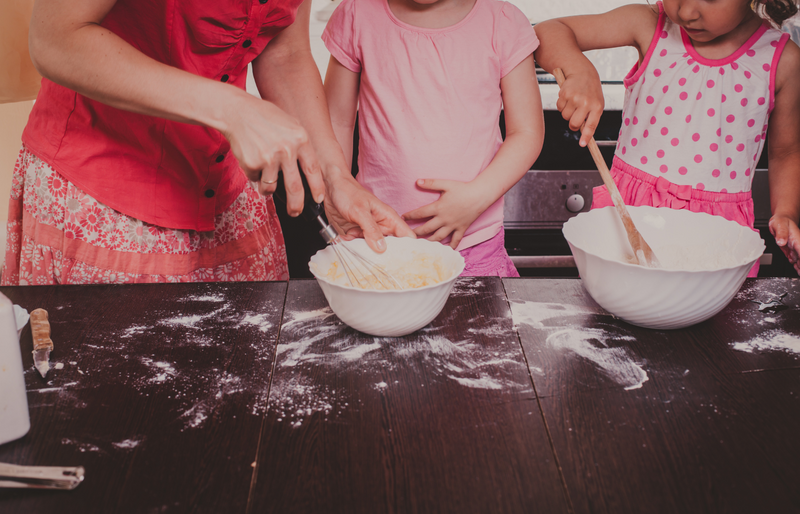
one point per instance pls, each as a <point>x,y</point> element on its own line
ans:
<point>13,116</point>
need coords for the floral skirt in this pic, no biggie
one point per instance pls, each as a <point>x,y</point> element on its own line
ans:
<point>57,234</point>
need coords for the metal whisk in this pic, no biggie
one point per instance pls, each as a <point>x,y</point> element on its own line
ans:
<point>361,272</point>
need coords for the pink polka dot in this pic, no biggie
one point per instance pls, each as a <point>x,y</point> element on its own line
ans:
<point>664,131</point>
<point>710,84</point>
<point>699,95</point>
<point>695,69</point>
<point>733,175</point>
<point>682,82</point>
<point>653,120</point>
<point>738,88</point>
<point>624,150</point>
<point>735,66</point>
<point>728,161</point>
<point>747,172</point>
<point>728,138</point>
<point>758,138</point>
<point>722,71</point>
<point>744,102</point>
<point>627,121</point>
<point>673,65</point>
<point>700,186</point>
<point>635,120</point>
<point>650,99</point>
<point>762,101</point>
<point>665,89</point>
<point>714,147</point>
<point>682,170</point>
<point>751,52</point>
<point>724,98</point>
<point>663,52</point>
<point>711,112</point>
<point>695,137</point>
<point>657,72</point>
<point>731,118</point>
<point>719,132</point>
<point>660,154</point>
<point>740,147</point>
<point>766,67</point>
<point>723,190</point>
<point>646,133</point>
<point>668,110</point>
<point>684,95</point>
<point>675,141</point>
<point>698,158</point>
<point>663,168</point>
<point>689,118</point>
<point>751,122</point>
<point>644,160</point>
<point>664,34</point>
<point>690,61</point>
<point>634,142</point>
<point>747,74</point>
<point>774,43</point>
<point>716,173</point>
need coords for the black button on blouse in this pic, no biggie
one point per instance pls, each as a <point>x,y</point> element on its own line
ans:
<point>209,193</point>
<point>220,158</point>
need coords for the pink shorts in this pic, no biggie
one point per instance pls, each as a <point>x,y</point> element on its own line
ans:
<point>640,188</point>
<point>489,259</point>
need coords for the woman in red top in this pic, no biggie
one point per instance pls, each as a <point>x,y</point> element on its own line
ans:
<point>145,160</point>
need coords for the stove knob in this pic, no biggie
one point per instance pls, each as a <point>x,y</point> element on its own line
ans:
<point>575,203</point>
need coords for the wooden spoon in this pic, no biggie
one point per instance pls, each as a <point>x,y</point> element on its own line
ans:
<point>641,250</point>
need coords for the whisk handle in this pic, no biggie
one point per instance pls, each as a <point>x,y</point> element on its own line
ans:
<point>311,210</point>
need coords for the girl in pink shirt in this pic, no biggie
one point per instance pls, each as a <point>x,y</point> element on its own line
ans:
<point>429,79</point>
<point>712,78</point>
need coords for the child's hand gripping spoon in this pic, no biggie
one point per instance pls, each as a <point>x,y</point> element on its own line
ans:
<point>641,250</point>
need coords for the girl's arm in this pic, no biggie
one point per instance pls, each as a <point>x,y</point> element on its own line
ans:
<point>562,43</point>
<point>288,77</point>
<point>341,90</point>
<point>70,47</point>
<point>784,156</point>
<point>462,202</point>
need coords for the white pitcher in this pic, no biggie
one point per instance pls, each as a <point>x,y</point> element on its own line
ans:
<point>14,418</point>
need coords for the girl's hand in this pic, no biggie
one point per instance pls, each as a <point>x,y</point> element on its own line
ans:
<point>581,102</point>
<point>455,210</point>
<point>355,212</point>
<point>787,237</point>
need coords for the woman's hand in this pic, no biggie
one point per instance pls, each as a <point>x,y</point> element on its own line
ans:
<point>787,237</point>
<point>355,212</point>
<point>451,215</point>
<point>266,140</point>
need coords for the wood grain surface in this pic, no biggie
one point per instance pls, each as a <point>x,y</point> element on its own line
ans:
<point>443,420</point>
<point>695,420</point>
<point>160,398</point>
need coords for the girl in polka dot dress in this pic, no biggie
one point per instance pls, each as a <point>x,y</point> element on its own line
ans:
<point>713,78</point>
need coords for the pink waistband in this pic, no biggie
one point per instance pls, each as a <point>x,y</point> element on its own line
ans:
<point>686,193</point>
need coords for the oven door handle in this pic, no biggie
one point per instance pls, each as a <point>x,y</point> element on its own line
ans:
<point>543,261</point>
<point>606,142</point>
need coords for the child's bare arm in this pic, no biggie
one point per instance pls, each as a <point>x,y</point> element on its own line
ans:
<point>784,156</point>
<point>341,90</point>
<point>461,203</point>
<point>563,42</point>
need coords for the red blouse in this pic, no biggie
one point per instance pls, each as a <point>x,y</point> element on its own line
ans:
<point>163,172</point>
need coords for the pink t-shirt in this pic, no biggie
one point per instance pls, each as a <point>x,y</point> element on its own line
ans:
<point>430,99</point>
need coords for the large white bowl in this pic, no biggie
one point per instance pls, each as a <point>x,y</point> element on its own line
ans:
<point>668,297</point>
<point>390,313</point>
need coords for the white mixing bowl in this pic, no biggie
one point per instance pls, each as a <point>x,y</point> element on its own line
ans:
<point>389,313</point>
<point>705,259</point>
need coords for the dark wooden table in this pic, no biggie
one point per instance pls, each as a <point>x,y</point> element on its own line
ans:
<point>522,396</point>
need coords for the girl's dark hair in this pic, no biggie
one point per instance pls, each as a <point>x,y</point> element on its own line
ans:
<point>776,10</point>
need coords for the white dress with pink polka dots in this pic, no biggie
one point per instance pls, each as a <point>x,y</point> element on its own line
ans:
<point>699,122</point>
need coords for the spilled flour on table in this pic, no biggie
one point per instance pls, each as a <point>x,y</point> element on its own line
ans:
<point>127,444</point>
<point>591,344</point>
<point>772,341</point>
<point>323,344</point>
